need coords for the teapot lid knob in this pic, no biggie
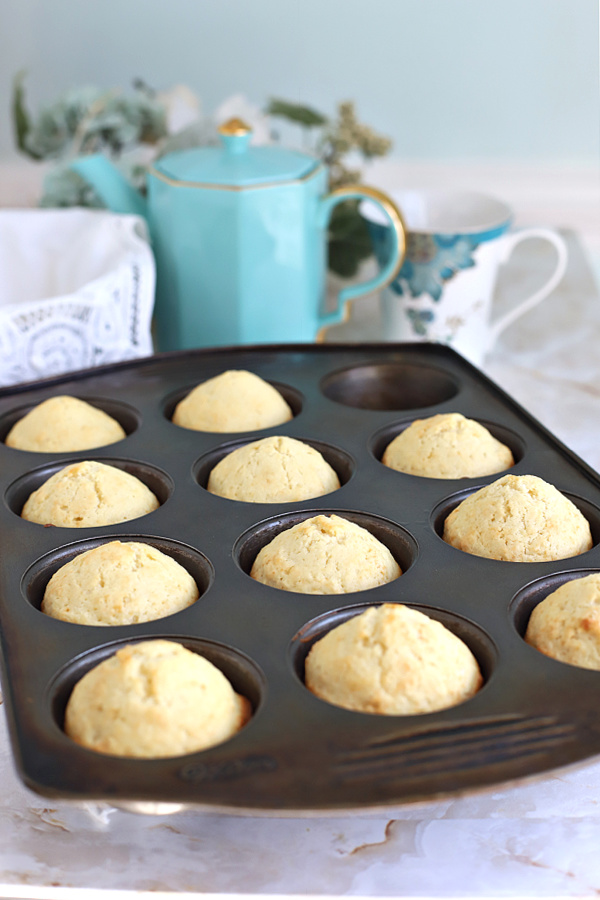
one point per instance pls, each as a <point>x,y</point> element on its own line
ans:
<point>236,136</point>
<point>234,128</point>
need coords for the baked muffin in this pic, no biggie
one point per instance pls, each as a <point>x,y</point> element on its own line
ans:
<point>154,699</point>
<point>89,494</point>
<point>447,445</point>
<point>325,555</point>
<point>119,583</point>
<point>519,518</point>
<point>64,424</point>
<point>273,470</point>
<point>394,661</point>
<point>234,401</point>
<point>566,624</point>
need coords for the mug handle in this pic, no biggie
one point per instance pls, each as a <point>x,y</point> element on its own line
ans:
<point>511,241</point>
<point>398,248</point>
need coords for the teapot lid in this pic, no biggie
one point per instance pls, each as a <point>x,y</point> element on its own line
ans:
<point>235,163</point>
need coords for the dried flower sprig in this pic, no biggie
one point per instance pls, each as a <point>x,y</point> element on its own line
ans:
<point>346,135</point>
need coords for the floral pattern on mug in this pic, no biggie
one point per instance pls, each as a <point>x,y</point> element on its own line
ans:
<point>431,260</point>
<point>420,319</point>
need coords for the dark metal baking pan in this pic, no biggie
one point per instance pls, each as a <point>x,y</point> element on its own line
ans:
<point>297,754</point>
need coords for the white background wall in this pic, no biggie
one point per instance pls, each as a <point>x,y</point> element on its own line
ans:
<point>446,79</point>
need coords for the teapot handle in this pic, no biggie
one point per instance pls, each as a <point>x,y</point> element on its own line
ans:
<point>398,246</point>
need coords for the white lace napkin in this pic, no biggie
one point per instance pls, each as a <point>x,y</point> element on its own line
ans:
<point>76,291</point>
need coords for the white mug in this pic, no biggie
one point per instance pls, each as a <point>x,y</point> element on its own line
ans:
<point>444,291</point>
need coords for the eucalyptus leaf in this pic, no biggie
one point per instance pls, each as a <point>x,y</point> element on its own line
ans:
<point>21,121</point>
<point>63,188</point>
<point>295,112</point>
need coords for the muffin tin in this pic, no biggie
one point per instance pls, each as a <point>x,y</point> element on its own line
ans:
<point>298,753</point>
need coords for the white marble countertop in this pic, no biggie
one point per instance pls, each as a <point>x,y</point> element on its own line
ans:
<point>537,839</point>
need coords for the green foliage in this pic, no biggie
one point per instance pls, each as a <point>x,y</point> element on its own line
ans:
<point>20,115</point>
<point>63,187</point>
<point>349,241</point>
<point>294,112</point>
<point>86,120</point>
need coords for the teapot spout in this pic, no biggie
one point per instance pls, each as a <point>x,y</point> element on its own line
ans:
<point>110,185</point>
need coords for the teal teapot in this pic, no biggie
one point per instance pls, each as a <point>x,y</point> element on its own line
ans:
<point>239,235</point>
